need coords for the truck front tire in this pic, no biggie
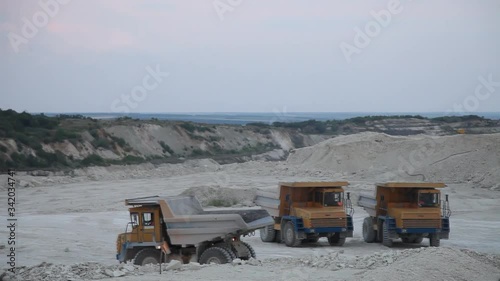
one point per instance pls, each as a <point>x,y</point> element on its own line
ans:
<point>386,239</point>
<point>335,240</point>
<point>369,234</point>
<point>434,240</point>
<point>147,256</point>
<point>267,234</point>
<point>290,235</point>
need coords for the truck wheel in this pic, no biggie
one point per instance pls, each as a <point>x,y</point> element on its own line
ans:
<point>250,250</point>
<point>228,248</point>
<point>386,240</point>
<point>278,239</point>
<point>369,234</point>
<point>147,256</point>
<point>267,234</point>
<point>434,240</point>
<point>215,255</point>
<point>335,240</point>
<point>290,235</point>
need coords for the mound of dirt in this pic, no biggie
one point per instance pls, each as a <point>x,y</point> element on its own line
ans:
<point>439,264</point>
<point>216,196</point>
<point>411,264</point>
<point>471,159</point>
<point>90,271</point>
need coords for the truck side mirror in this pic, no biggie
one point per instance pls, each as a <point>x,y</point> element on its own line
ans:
<point>446,197</point>
<point>348,195</point>
<point>287,198</point>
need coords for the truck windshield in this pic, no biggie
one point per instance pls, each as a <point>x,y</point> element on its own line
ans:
<point>332,199</point>
<point>428,199</point>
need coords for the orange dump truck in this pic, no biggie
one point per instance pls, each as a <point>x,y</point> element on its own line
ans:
<point>410,211</point>
<point>305,211</point>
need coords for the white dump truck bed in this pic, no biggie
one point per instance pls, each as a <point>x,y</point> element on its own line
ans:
<point>369,203</point>
<point>269,201</point>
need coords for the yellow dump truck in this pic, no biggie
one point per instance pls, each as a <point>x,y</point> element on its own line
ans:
<point>410,211</point>
<point>305,211</point>
<point>177,227</point>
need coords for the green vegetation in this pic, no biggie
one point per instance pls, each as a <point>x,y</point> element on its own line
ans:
<point>121,142</point>
<point>364,119</point>
<point>130,159</point>
<point>93,159</point>
<point>102,143</point>
<point>347,125</point>
<point>166,148</point>
<point>199,152</point>
<point>41,160</point>
<point>34,130</point>
<point>192,127</point>
<point>455,119</point>
<point>306,127</point>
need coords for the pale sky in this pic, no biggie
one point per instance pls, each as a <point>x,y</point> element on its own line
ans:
<point>250,56</point>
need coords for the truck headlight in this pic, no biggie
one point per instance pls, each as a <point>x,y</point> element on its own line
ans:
<point>404,230</point>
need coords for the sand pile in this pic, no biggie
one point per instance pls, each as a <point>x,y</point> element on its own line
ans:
<point>116,172</point>
<point>91,271</point>
<point>459,159</point>
<point>410,264</point>
<point>216,196</point>
<point>439,264</point>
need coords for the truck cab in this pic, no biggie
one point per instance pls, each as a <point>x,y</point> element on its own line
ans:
<point>143,231</point>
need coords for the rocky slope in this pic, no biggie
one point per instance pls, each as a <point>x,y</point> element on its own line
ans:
<point>68,142</point>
